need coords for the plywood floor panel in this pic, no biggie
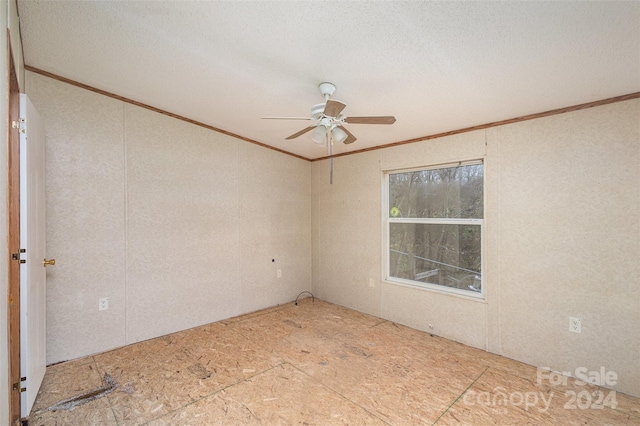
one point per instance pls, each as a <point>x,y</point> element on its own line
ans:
<point>66,380</point>
<point>281,395</point>
<point>315,363</point>
<point>96,412</point>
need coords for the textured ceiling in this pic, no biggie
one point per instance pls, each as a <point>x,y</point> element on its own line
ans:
<point>435,66</point>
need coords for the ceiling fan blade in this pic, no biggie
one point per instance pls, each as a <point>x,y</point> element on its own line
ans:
<point>287,118</point>
<point>385,119</point>
<point>350,138</point>
<point>333,108</point>
<point>301,132</point>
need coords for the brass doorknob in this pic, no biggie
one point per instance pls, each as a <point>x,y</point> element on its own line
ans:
<point>50,262</point>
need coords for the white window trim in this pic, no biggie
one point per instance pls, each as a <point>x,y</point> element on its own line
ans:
<point>387,221</point>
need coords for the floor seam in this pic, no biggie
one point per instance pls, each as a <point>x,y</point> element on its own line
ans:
<point>337,393</point>
<point>214,392</point>
<point>259,313</point>
<point>461,395</point>
<point>113,412</point>
<point>378,323</point>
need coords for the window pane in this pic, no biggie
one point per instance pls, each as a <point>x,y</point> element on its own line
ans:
<point>452,192</point>
<point>447,255</point>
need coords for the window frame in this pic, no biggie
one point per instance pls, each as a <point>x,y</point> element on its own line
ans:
<point>388,220</point>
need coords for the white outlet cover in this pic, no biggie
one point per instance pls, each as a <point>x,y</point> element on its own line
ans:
<point>575,325</point>
<point>103,304</point>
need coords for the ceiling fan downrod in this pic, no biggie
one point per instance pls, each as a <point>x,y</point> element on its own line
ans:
<point>330,143</point>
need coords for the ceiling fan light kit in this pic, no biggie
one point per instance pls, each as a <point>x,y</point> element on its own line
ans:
<point>329,122</point>
<point>319,135</point>
<point>339,135</point>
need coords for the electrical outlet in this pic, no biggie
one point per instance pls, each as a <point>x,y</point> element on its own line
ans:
<point>279,273</point>
<point>575,325</point>
<point>372,283</point>
<point>103,304</point>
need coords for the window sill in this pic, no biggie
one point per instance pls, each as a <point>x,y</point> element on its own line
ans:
<point>460,294</point>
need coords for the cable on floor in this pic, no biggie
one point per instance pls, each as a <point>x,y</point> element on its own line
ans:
<point>313,299</point>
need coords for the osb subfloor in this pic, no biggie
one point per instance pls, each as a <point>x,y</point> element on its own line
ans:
<point>316,363</point>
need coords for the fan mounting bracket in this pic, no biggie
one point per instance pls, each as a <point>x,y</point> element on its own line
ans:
<point>327,89</point>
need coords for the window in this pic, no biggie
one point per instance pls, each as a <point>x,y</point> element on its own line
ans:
<point>434,228</point>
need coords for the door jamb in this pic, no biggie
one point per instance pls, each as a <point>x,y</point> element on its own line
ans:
<point>13,237</point>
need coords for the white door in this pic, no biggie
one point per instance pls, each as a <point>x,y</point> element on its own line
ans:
<point>33,241</point>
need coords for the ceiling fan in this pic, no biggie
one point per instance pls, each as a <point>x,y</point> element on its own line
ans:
<point>329,122</point>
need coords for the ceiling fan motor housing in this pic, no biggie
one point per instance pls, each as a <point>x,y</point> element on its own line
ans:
<point>317,110</point>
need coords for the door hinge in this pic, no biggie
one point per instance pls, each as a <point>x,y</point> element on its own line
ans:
<point>19,125</point>
<point>16,387</point>
<point>16,256</point>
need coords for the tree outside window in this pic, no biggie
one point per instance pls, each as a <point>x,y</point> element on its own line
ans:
<point>434,230</point>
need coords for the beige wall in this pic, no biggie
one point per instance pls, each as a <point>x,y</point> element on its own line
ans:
<point>562,238</point>
<point>176,224</point>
